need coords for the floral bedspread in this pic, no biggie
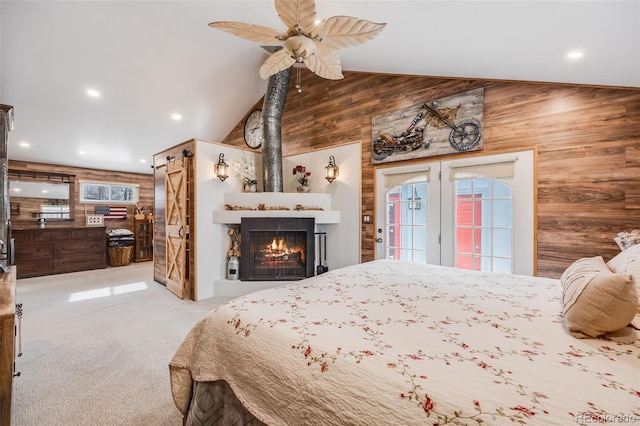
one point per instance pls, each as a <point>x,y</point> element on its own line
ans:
<point>390,343</point>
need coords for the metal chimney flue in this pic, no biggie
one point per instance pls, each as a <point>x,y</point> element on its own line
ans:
<point>272,110</point>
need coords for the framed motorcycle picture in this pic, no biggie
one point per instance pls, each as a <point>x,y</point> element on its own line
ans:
<point>438,127</point>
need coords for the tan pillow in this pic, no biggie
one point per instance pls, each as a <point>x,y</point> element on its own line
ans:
<point>595,300</point>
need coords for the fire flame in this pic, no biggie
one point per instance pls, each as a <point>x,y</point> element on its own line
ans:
<point>279,246</point>
<point>278,250</point>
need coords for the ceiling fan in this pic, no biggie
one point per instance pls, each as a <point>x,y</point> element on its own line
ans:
<point>304,40</point>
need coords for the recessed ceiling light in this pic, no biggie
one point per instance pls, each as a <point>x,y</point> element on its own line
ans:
<point>16,189</point>
<point>142,160</point>
<point>24,144</point>
<point>44,191</point>
<point>93,93</point>
<point>176,117</point>
<point>575,54</point>
<point>81,152</point>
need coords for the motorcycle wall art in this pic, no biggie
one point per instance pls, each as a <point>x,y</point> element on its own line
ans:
<point>443,126</point>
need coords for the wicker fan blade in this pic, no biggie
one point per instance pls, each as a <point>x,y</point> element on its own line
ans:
<point>316,46</point>
<point>343,31</point>
<point>298,12</point>
<point>325,63</point>
<point>276,62</point>
<point>257,33</point>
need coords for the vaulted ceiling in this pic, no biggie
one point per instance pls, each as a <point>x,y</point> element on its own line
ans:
<point>150,60</point>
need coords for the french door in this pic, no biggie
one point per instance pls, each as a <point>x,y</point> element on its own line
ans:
<point>473,213</point>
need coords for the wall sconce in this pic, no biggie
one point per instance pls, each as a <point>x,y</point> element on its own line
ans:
<point>221,168</point>
<point>331,170</point>
<point>414,200</point>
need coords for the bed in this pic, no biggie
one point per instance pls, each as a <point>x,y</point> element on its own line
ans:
<point>395,343</point>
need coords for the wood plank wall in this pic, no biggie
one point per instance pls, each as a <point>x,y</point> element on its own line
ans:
<point>587,139</point>
<point>145,193</point>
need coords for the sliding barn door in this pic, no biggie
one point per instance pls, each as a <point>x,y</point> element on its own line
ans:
<point>176,226</point>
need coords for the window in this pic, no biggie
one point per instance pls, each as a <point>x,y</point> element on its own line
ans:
<point>49,211</point>
<point>102,192</point>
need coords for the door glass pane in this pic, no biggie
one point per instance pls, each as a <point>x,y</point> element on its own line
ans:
<point>392,242</point>
<point>482,224</point>
<point>420,243</point>
<point>502,242</point>
<point>406,237</point>
<point>463,261</point>
<point>502,215</point>
<point>406,255</point>
<point>420,256</point>
<point>419,204</point>
<point>486,212</point>
<point>393,210</point>
<point>502,265</point>
<point>501,189</point>
<point>407,222</point>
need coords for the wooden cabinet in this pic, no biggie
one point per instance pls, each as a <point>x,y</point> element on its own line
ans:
<point>59,250</point>
<point>7,341</point>
<point>143,230</point>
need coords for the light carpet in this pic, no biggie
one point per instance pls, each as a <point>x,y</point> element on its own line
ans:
<point>96,347</point>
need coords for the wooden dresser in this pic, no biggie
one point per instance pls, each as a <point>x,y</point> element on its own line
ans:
<point>59,250</point>
<point>7,341</point>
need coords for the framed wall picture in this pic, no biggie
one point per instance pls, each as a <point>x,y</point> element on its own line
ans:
<point>440,126</point>
<point>15,208</point>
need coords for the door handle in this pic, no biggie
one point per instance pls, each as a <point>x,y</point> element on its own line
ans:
<point>379,239</point>
<point>180,232</point>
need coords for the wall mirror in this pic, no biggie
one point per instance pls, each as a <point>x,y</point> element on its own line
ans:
<point>35,195</point>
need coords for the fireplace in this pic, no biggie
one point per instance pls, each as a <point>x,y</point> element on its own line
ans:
<point>276,249</point>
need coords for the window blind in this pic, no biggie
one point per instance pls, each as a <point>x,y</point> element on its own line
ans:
<point>396,179</point>
<point>503,169</point>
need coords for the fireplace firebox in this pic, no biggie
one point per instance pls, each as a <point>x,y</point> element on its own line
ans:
<point>276,249</point>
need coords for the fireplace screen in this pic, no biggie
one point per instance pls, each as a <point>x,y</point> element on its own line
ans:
<point>277,248</point>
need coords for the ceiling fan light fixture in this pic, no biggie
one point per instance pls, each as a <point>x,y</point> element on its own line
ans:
<point>300,47</point>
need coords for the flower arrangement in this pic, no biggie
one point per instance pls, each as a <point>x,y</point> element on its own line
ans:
<point>234,240</point>
<point>302,175</point>
<point>246,170</point>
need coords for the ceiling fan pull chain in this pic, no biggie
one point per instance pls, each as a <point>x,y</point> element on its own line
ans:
<point>298,82</point>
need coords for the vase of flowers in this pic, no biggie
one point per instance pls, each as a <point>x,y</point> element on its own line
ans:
<point>246,171</point>
<point>302,177</point>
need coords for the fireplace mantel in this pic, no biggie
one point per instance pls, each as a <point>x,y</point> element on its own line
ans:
<point>277,199</point>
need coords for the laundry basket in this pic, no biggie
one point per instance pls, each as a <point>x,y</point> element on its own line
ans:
<point>120,256</point>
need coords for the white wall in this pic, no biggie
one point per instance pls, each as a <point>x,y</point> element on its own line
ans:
<point>211,240</point>
<point>343,240</point>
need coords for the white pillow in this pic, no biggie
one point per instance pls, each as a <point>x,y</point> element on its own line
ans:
<point>628,262</point>
<point>595,299</point>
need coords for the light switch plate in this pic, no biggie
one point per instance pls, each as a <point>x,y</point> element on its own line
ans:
<point>95,220</point>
